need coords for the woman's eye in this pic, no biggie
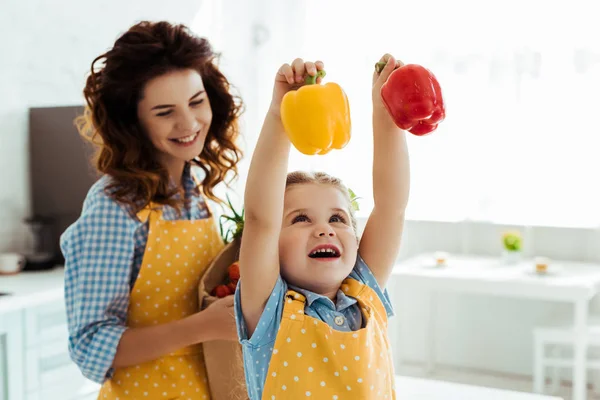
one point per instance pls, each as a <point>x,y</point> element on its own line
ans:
<point>164,113</point>
<point>169,112</point>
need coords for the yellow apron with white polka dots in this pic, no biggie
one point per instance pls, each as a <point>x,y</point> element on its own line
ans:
<point>312,360</point>
<point>166,290</point>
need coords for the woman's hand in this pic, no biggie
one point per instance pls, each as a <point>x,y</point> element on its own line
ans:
<point>220,316</point>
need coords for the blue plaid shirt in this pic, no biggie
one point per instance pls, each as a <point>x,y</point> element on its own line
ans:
<point>259,348</point>
<point>103,253</point>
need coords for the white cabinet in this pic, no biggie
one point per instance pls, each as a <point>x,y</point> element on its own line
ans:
<point>34,356</point>
<point>11,356</point>
<point>50,373</point>
<point>46,323</point>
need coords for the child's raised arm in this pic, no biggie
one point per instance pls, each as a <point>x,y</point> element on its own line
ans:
<point>380,242</point>
<point>263,202</point>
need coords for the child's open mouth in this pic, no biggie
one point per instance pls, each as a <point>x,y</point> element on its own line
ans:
<point>325,252</point>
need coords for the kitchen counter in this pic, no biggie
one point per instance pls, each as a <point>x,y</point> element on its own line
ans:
<point>29,289</point>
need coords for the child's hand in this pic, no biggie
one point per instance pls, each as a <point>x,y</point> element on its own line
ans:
<point>291,77</point>
<point>380,78</point>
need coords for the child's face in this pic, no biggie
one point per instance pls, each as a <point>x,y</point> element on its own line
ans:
<point>175,113</point>
<point>317,245</point>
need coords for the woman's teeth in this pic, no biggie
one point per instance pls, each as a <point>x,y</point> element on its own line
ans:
<point>186,139</point>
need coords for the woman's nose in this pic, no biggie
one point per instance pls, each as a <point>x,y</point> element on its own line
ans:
<point>187,123</point>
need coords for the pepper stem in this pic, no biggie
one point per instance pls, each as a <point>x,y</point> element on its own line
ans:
<point>379,66</point>
<point>311,80</point>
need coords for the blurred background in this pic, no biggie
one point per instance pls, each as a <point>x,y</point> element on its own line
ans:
<point>518,151</point>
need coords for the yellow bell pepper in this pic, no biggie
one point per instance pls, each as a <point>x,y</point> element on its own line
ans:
<point>316,117</point>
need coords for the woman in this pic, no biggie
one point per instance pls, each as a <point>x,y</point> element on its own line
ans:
<point>161,113</point>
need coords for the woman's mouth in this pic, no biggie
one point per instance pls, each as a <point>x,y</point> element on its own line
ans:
<point>186,140</point>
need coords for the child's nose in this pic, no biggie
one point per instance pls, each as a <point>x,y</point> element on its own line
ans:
<point>324,230</point>
<point>327,234</point>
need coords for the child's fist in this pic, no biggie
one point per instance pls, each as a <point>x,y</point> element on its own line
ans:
<point>291,77</point>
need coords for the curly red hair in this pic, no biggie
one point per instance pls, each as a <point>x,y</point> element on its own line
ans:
<point>112,93</point>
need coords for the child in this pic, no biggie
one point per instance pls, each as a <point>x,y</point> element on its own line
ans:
<point>161,111</point>
<point>311,306</point>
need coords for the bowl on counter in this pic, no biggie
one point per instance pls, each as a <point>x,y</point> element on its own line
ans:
<point>11,263</point>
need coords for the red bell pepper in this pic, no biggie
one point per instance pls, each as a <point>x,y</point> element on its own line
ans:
<point>413,97</point>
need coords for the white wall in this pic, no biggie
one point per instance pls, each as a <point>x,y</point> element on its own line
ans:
<point>45,52</point>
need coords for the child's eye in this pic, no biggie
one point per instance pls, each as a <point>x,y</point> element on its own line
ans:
<point>197,102</point>
<point>300,218</point>
<point>337,218</point>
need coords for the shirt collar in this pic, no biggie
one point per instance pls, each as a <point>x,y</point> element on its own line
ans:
<point>188,181</point>
<point>342,300</point>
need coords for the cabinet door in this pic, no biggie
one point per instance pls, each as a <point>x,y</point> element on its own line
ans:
<point>46,324</point>
<point>3,362</point>
<point>51,374</point>
<point>67,391</point>
<point>12,385</point>
<point>49,364</point>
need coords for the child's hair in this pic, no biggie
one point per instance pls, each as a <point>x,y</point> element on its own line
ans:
<point>112,92</point>
<point>301,177</point>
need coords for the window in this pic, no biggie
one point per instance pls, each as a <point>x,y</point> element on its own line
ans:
<point>520,79</point>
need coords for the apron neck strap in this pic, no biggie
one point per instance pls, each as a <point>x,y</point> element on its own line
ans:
<point>144,214</point>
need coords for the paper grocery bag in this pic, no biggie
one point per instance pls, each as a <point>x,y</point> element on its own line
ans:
<point>223,359</point>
